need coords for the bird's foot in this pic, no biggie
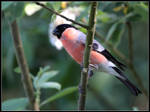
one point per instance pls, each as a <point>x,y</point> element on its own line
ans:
<point>90,73</point>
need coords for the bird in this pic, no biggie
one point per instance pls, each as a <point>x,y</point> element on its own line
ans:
<point>73,40</point>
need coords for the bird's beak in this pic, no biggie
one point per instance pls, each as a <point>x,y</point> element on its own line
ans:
<point>55,32</point>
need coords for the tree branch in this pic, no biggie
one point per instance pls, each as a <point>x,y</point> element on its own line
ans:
<point>84,72</point>
<point>130,46</point>
<point>42,5</point>
<point>23,65</point>
<point>130,64</point>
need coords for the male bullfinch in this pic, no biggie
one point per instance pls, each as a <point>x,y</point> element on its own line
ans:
<point>74,40</point>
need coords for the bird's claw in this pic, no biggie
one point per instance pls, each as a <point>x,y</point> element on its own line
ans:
<point>90,73</point>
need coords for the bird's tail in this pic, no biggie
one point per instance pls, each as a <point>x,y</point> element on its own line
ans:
<point>134,90</point>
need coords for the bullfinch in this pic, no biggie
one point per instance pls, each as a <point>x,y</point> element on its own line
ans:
<point>74,40</point>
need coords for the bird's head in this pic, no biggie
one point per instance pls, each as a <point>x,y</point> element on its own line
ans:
<point>61,28</point>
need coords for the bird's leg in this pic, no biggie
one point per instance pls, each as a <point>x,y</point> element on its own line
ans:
<point>91,68</point>
<point>90,73</point>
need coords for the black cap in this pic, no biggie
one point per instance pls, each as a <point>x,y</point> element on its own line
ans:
<point>60,29</point>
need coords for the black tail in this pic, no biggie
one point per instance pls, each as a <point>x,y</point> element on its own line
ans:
<point>131,86</point>
<point>134,90</point>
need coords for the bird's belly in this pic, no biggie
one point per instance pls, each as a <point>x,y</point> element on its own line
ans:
<point>75,50</point>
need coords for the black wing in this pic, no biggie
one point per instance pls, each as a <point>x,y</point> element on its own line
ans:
<point>108,56</point>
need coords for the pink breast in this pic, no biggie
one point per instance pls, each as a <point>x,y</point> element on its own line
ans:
<point>75,50</point>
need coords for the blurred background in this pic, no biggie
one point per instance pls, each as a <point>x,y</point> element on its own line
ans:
<point>42,49</point>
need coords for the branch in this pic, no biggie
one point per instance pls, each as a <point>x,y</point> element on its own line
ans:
<point>130,46</point>
<point>51,10</point>
<point>130,64</point>
<point>89,41</point>
<point>23,65</point>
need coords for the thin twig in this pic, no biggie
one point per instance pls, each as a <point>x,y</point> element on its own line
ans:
<point>130,64</point>
<point>23,65</point>
<point>130,45</point>
<point>89,41</point>
<point>42,5</point>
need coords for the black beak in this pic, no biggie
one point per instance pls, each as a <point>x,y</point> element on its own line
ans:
<point>55,32</point>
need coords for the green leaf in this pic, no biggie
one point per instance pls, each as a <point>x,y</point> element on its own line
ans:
<point>141,9</point>
<point>111,31</point>
<point>5,5</point>
<point>42,70</point>
<point>14,11</point>
<point>135,108</point>
<point>46,68</point>
<point>116,37</point>
<point>127,17</point>
<point>60,94</point>
<point>54,85</point>
<point>102,16</point>
<point>144,6</point>
<point>115,33</point>
<point>45,77</point>
<point>15,104</point>
<point>17,70</point>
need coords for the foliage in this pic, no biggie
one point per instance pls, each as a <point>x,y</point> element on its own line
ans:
<point>15,104</point>
<point>60,94</point>
<point>111,19</point>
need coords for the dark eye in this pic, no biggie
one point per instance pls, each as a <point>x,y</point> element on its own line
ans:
<point>95,46</point>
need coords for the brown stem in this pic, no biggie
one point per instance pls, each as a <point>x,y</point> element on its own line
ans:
<point>130,45</point>
<point>51,10</point>
<point>23,65</point>
<point>89,41</point>
<point>130,64</point>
